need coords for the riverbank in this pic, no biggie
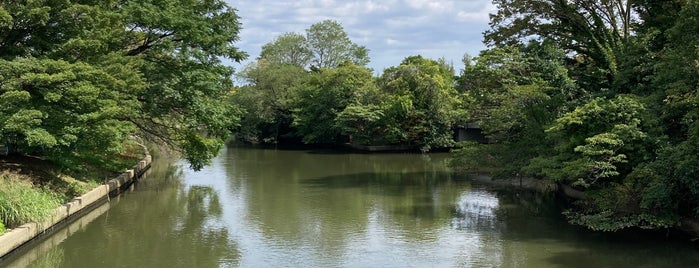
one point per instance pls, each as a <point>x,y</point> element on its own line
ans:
<point>16,237</point>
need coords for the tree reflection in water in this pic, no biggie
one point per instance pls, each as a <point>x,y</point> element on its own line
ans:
<point>163,224</point>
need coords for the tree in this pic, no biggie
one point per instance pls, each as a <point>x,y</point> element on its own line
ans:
<point>514,93</point>
<point>325,95</point>
<point>330,46</point>
<point>267,100</point>
<point>677,189</point>
<point>426,107</point>
<point>613,114</point>
<point>160,62</point>
<point>596,31</point>
<point>288,48</point>
<point>362,123</point>
<point>182,43</point>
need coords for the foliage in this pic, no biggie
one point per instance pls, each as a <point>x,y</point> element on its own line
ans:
<point>21,202</point>
<point>84,76</point>
<point>57,108</point>
<point>266,100</point>
<point>677,77</point>
<point>288,48</point>
<point>273,98</point>
<point>595,30</point>
<point>641,200</point>
<point>469,156</point>
<point>362,123</point>
<point>596,141</point>
<point>603,99</point>
<point>331,47</point>
<point>325,95</point>
<point>427,108</point>
<point>514,94</point>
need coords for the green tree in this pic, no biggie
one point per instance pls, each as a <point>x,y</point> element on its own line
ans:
<point>327,93</point>
<point>65,109</point>
<point>150,68</point>
<point>676,188</point>
<point>362,123</point>
<point>331,46</point>
<point>426,107</point>
<point>613,113</point>
<point>600,142</point>
<point>288,48</point>
<point>182,43</point>
<point>514,94</point>
<point>267,100</point>
<point>596,31</point>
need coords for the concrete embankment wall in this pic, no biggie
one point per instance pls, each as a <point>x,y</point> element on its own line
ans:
<point>17,237</point>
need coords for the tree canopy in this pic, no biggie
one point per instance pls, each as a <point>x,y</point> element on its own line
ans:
<point>80,77</point>
<point>612,114</point>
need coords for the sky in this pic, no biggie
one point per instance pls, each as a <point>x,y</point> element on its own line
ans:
<point>390,29</point>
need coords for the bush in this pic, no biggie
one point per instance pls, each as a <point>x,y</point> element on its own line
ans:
<point>21,202</point>
<point>2,228</point>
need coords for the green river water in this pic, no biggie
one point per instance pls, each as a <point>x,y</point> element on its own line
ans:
<point>257,207</point>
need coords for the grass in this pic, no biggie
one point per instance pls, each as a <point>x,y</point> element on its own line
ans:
<point>31,187</point>
<point>21,201</point>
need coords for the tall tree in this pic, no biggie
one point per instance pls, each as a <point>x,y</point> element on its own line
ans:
<point>288,48</point>
<point>182,43</point>
<point>331,46</point>
<point>595,30</point>
<point>514,93</point>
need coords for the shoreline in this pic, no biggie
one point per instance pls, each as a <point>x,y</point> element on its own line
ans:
<point>16,238</point>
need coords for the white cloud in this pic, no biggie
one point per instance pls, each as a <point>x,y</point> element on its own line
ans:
<point>478,16</point>
<point>391,29</point>
<point>431,6</point>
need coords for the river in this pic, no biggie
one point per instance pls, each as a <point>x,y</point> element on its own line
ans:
<point>256,207</point>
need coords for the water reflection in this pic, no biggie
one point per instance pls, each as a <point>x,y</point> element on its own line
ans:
<point>353,210</point>
<point>476,210</point>
<point>52,258</point>
<point>361,210</point>
<point>294,208</point>
<point>162,224</point>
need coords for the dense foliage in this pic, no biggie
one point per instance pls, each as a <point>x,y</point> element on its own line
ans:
<point>78,78</point>
<point>599,95</point>
<point>314,89</point>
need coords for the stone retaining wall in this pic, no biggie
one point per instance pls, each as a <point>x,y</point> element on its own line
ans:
<point>17,237</point>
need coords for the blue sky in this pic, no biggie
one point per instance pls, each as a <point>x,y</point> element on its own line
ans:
<point>390,29</point>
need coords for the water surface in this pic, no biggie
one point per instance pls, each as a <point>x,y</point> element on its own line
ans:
<point>259,207</point>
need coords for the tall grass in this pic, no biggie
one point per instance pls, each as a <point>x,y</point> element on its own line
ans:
<point>22,202</point>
